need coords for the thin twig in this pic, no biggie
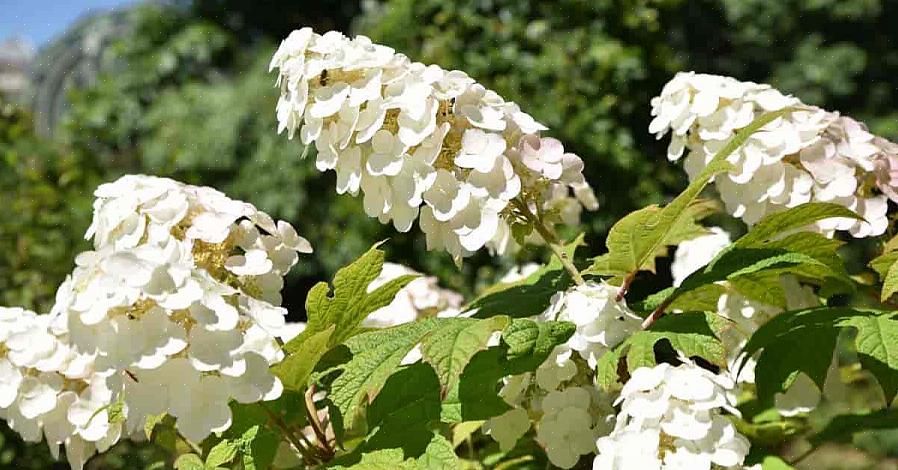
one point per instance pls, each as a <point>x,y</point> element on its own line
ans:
<point>656,314</point>
<point>307,453</point>
<point>625,286</point>
<point>312,412</point>
<point>552,241</point>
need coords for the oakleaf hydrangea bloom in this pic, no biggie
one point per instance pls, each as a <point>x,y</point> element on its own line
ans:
<point>673,418</point>
<point>421,142</point>
<point>603,321</point>
<point>174,311</point>
<point>420,298</point>
<point>47,389</point>
<point>808,154</point>
<point>568,416</point>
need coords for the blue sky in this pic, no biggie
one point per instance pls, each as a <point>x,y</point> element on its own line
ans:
<point>38,21</point>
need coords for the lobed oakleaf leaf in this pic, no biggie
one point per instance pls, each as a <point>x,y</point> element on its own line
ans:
<point>885,265</point>
<point>350,302</point>
<point>295,370</point>
<point>189,462</point>
<point>375,356</point>
<point>385,459</point>
<point>447,344</point>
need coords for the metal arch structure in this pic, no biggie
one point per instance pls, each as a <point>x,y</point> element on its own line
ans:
<point>74,60</point>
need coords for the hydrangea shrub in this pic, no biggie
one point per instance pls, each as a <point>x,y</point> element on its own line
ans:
<point>171,328</point>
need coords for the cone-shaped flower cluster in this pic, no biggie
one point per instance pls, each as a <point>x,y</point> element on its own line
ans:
<point>420,141</point>
<point>807,155</point>
<point>175,311</point>
<point>672,418</point>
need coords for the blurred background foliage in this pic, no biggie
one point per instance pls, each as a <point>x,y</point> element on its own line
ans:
<point>183,91</point>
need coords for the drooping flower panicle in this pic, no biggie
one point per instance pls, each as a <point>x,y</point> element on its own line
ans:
<point>421,142</point>
<point>807,155</point>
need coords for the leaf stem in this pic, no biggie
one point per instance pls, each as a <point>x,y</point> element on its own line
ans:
<point>625,286</point>
<point>309,455</point>
<point>552,240</point>
<point>312,412</point>
<point>657,313</point>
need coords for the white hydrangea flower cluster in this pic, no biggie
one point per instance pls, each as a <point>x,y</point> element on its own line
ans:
<point>568,412</point>
<point>175,311</point>
<point>46,388</point>
<point>418,140</point>
<point>603,321</point>
<point>747,316</point>
<point>672,418</point>
<point>422,297</point>
<point>807,155</point>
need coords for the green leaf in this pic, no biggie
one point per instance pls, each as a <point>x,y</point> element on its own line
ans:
<point>151,422</point>
<point>450,348</point>
<point>376,355</point>
<point>635,241</point>
<point>223,452</point>
<point>778,223</point>
<point>842,427</point>
<point>295,370</point>
<point>887,267</point>
<point>530,296</point>
<point>689,333</point>
<point>755,272</point>
<point>386,459</point>
<point>817,331</point>
<point>439,455</point>
<point>733,263</point>
<point>401,416</point>
<point>255,443</point>
<point>350,302</point>
<point>772,462</point>
<point>525,345</point>
<point>190,462</point>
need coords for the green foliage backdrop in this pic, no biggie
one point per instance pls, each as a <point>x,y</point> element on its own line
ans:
<point>186,94</point>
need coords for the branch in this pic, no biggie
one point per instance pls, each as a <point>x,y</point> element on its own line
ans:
<point>551,240</point>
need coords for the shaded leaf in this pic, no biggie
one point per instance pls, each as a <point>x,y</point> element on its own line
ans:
<point>777,223</point>
<point>817,330</point>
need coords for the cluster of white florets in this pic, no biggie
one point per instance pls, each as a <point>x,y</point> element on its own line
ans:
<point>420,298</point>
<point>175,311</point>
<point>601,316</point>
<point>46,388</point>
<point>418,140</point>
<point>808,154</point>
<point>746,316</point>
<point>673,418</point>
<point>566,409</point>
